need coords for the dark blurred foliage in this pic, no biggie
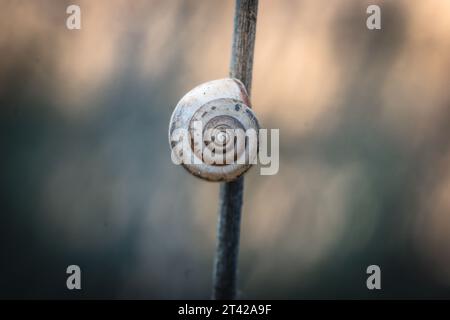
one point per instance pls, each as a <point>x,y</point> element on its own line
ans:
<point>86,176</point>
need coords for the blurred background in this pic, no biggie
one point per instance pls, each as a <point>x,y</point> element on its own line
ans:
<point>86,176</point>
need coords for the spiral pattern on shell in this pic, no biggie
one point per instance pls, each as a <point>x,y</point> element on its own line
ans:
<point>223,130</point>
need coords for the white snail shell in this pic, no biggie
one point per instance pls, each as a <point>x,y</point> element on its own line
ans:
<point>219,105</point>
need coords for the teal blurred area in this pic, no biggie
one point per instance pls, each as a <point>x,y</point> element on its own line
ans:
<point>86,176</point>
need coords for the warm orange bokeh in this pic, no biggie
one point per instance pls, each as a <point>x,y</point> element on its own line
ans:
<point>363,117</point>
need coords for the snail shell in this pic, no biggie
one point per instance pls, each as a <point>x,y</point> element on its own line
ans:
<point>219,106</point>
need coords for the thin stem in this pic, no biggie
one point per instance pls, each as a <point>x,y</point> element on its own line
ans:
<point>231,193</point>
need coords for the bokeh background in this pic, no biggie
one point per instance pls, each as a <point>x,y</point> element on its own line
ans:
<point>86,176</point>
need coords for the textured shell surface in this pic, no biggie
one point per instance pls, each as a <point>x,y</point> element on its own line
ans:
<point>220,104</point>
<point>203,93</point>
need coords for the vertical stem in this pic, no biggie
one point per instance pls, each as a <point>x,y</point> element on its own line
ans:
<point>244,34</point>
<point>231,193</point>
